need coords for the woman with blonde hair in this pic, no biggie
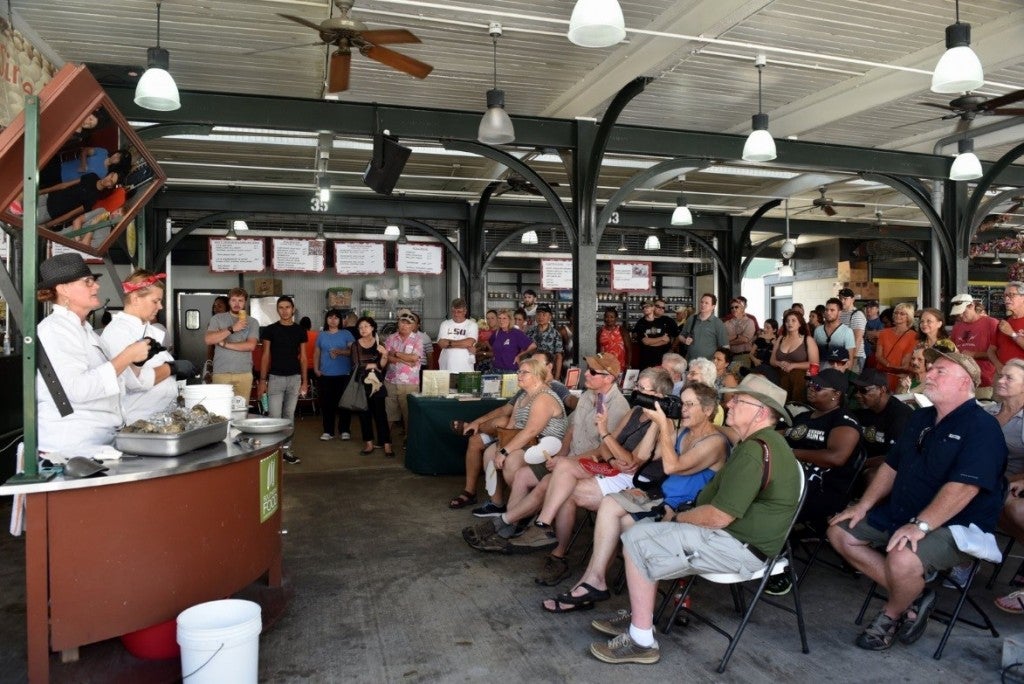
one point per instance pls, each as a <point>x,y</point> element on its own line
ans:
<point>895,345</point>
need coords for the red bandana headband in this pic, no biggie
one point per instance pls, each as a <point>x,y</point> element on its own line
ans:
<point>143,284</point>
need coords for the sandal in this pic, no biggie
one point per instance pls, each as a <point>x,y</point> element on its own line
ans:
<point>463,499</point>
<point>1011,603</point>
<point>592,595</point>
<point>880,633</point>
<point>568,608</point>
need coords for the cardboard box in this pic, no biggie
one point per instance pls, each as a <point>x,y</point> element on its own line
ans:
<point>856,271</point>
<point>863,289</point>
<point>268,286</point>
<point>339,298</point>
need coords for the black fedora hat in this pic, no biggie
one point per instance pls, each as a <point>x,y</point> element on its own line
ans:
<point>63,268</point>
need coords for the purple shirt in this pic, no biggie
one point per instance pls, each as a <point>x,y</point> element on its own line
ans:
<point>507,346</point>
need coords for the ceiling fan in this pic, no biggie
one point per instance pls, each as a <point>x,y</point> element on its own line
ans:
<point>347,33</point>
<point>514,182</point>
<point>828,205</point>
<point>968,106</point>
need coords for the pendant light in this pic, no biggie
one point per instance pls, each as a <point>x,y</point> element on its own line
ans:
<point>652,243</point>
<point>553,244</point>
<point>787,250</point>
<point>997,261</point>
<point>622,243</point>
<point>959,69</point>
<point>495,126</point>
<point>156,89</point>
<point>323,185</point>
<point>529,238</point>
<point>596,23</point>
<point>681,216</point>
<point>320,236</point>
<point>760,145</point>
<point>687,246</point>
<point>392,231</point>
<point>966,166</point>
<point>231,234</point>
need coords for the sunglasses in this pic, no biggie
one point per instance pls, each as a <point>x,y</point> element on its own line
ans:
<point>816,387</point>
<point>921,437</point>
<point>594,372</point>
<point>864,390</point>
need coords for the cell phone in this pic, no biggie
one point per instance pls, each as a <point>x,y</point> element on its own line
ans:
<point>600,403</point>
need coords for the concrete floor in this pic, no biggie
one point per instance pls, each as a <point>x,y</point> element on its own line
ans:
<point>382,588</point>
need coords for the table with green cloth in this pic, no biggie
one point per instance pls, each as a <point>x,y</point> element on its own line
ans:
<point>432,448</point>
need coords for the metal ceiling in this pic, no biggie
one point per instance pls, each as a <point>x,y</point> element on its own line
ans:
<point>850,73</point>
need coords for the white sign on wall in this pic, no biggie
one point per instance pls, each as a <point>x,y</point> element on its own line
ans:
<point>556,274</point>
<point>419,258</point>
<point>244,255</point>
<point>304,255</point>
<point>359,258</point>
<point>57,248</point>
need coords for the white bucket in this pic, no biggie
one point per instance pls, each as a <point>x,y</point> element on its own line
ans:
<point>220,642</point>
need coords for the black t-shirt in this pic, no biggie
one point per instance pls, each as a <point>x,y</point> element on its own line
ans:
<point>84,194</point>
<point>284,347</point>
<point>827,488</point>
<point>662,325</point>
<point>880,430</point>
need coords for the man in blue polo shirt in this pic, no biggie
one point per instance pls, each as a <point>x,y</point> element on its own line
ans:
<point>945,469</point>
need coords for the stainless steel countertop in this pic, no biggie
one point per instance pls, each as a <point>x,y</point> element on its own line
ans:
<point>135,468</point>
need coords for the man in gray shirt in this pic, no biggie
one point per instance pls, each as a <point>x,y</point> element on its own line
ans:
<point>704,332</point>
<point>234,334</point>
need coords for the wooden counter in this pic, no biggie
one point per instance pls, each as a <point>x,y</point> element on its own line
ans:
<point>110,555</point>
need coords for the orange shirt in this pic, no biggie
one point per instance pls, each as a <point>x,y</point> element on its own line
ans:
<point>611,341</point>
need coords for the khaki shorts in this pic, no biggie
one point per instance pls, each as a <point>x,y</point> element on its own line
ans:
<point>937,551</point>
<point>666,550</point>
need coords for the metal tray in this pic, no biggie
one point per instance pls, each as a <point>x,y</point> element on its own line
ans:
<point>144,444</point>
<point>261,426</point>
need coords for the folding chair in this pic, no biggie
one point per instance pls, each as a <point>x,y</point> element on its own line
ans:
<point>776,565</point>
<point>947,618</point>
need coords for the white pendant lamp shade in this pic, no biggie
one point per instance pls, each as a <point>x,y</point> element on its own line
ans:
<point>529,238</point>
<point>966,166</point>
<point>597,23</point>
<point>652,243</point>
<point>156,89</point>
<point>622,243</point>
<point>682,216</point>
<point>959,69</point>
<point>785,270</point>
<point>392,230</point>
<point>496,126</point>
<point>760,145</point>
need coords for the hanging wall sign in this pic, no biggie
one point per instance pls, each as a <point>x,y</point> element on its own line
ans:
<point>419,258</point>
<point>305,255</point>
<point>57,248</point>
<point>631,276</point>
<point>359,258</point>
<point>556,274</point>
<point>245,255</point>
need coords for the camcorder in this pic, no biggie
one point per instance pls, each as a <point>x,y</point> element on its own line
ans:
<point>671,406</point>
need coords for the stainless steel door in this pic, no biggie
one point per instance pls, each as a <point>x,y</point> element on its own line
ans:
<point>193,317</point>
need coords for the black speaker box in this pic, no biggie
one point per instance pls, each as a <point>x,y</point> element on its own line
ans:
<point>386,165</point>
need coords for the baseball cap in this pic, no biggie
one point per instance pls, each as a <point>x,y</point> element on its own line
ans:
<point>960,304</point>
<point>932,354</point>
<point>871,377</point>
<point>543,307</point>
<point>846,292</point>
<point>832,379</point>
<point>836,354</point>
<point>407,317</point>
<point>605,362</point>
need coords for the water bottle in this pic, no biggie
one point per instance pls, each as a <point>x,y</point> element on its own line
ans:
<point>265,403</point>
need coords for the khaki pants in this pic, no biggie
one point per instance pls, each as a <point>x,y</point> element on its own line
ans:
<point>397,402</point>
<point>242,383</point>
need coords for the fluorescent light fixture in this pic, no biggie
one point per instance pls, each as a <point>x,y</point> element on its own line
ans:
<point>529,238</point>
<point>959,69</point>
<point>596,23</point>
<point>156,89</point>
<point>966,166</point>
<point>652,243</point>
<point>682,216</point>
<point>392,231</point>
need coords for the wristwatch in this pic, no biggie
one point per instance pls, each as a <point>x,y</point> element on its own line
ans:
<point>921,525</point>
<point>503,451</point>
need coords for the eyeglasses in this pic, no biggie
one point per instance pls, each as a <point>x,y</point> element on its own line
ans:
<point>691,404</point>
<point>864,390</point>
<point>594,372</point>
<point>748,403</point>
<point>921,437</point>
<point>1011,295</point>
<point>659,306</point>
<point>522,372</point>
<point>815,386</point>
<point>648,389</point>
<point>88,280</point>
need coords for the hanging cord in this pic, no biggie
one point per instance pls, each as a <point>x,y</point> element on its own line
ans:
<point>958,11</point>
<point>494,41</point>
<point>158,23</point>
<point>759,70</point>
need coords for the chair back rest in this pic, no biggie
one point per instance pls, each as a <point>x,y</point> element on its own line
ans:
<point>799,507</point>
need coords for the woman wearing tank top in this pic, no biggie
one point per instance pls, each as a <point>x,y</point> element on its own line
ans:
<point>793,355</point>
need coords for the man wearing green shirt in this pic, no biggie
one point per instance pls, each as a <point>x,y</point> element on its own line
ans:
<point>738,522</point>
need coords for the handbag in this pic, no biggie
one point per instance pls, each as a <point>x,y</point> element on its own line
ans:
<point>505,436</point>
<point>649,477</point>
<point>354,397</point>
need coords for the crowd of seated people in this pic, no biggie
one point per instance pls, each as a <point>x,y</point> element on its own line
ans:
<point>656,485</point>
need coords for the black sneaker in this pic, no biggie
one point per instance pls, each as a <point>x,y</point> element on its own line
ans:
<point>779,585</point>
<point>488,510</point>
<point>289,457</point>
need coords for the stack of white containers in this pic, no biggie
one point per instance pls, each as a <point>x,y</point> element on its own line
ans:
<point>216,398</point>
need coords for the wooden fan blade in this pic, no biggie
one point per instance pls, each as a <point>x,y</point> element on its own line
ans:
<point>829,211</point>
<point>280,47</point>
<point>341,67</point>
<point>389,36</point>
<point>997,102</point>
<point>1006,111</point>
<point>300,20</point>
<point>920,121</point>
<point>397,60</point>
<point>852,205</point>
<point>937,106</point>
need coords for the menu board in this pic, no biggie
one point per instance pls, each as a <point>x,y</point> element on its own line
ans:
<point>359,258</point>
<point>244,255</point>
<point>305,255</point>
<point>631,275</point>
<point>57,248</point>
<point>556,274</point>
<point>419,258</point>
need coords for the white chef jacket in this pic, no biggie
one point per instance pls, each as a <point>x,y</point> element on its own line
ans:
<point>81,363</point>
<point>142,398</point>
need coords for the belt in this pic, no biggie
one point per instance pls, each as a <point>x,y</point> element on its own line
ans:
<point>757,552</point>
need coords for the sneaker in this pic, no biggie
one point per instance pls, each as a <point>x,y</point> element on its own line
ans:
<point>494,543</point>
<point>911,629</point>
<point>779,585</point>
<point>555,570</point>
<point>289,457</point>
<point>615,625</point>
<point>622,649</point>
<point>958,574</point>
<point>488,510</point>
<point>345,436</point>
<point>880,633</point>
<point>535,539</point>
<point>325,437</point>
<point>482,530</point>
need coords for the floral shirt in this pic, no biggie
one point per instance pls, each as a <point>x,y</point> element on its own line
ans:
<point>401,372</point>
<point>610,341</point>
<point>547,340</point>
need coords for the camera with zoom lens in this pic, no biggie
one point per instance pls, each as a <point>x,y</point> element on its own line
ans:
<point>671,406</point>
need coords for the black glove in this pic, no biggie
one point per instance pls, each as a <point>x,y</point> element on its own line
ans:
<point>183,369</point>
<point>154,349</point>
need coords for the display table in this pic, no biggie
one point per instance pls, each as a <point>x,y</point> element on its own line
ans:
<point>110,555</point>
<point>432,448</point>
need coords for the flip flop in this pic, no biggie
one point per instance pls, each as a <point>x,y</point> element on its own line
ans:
<point>462,500</point>
<point>572,607</point>
<point>1011,603</point>
<point>593,595</point>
